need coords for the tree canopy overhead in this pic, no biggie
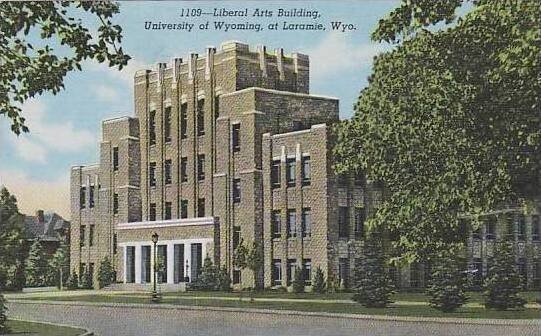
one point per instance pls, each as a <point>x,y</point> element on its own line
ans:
<point>450,120</point>
<point>33,68</point>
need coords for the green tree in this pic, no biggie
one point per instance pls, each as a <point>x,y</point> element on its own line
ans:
<point>372,285</point>
<point>298,280</point>
<point>59,265</point>
<point>319,281</point>
<point>448,280</point>
<point>40,42</point>
<point>105,273</point>
<point>224,280</point>
<point>13,248</point>
<point>37,266</point>
<point>73,281</point>
<point>503,282</point>
<point>4,328</point>
<point>87,282</point>
<point>449,122</point>
<point>208,279</point>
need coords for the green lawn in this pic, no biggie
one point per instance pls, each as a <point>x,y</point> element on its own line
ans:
<point>351,308</point>
<point>42,329</point>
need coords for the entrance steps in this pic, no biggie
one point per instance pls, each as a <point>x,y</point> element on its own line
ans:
<point>133,287</point>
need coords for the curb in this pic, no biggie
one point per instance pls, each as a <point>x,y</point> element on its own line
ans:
<point>85,333</point>
<point>441,320</point>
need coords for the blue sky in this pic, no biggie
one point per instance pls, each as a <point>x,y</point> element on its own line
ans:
<point>65,129</point>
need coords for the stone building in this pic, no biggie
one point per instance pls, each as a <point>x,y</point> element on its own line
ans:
<point>223,148</point>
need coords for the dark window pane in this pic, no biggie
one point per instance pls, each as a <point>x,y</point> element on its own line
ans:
<point>275,174</point>
<point>236,137</point>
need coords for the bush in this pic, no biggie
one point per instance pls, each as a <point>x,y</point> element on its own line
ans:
<point>224,281</point>
<point>87,282</point>
<point>105,273</point>
<point>73,281</point>
<point>4,329</point>
<point>447,282</point>
<point>298,281</point>
<point>212,278</point>
<point>503,282</point>
<point>319,285</point>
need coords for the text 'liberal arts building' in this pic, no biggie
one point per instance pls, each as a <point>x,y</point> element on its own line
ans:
<point>224,149</point>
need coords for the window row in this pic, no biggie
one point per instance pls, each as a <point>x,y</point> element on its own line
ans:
<point>291,223</point>
<point>292,266</point>
<point>291,172</point>
<point>82,235</point>
<point>515,225</point>
<point>344,222</point>
<point>183,209</point>
<point>168,170</point>
<point>91,197</point>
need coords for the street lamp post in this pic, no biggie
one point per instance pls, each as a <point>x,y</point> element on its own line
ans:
<point>155,297</point>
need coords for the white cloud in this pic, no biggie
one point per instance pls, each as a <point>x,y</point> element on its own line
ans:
<point>126,74</point>
<point>336,55</point>
<point>35,194</point>
<point>46,136</point>
<point>105,93</point>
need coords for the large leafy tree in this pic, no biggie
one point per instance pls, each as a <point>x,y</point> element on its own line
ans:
<point>59,266</point>
<point>450,119</point>
<point>12,243</point>
<point>41,41</point>
<point>38,271</point>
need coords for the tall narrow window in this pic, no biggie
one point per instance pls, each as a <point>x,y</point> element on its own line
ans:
<point>276,272</point>
<point>201,207</point>
<point>291,223</point>
<point>184,121</point>
<point>236,190</point>
<point>510,226</point>
<point>152,128</point>
<point>115,243</point>
<point>115,158</point>
<point>167,125</point>
<point>152,174</point>
<point>152,212</point>
<point>168,210</point>
<point>490,228</point>
<point>521,227</point>
<point>168,175</point>
<point>82,238</point>
<point>236,236</point>
<point>201,167</point>
<point>343,271</point>
<point>536,228</point>
<point>291,267</point>
<point>201,117</point>
<point>306,171</point>
<point>91,197</point>
<point>343,222</point>
<point>275,174</point>
<point>235,137</point>
<point>115,203</point>
<point>82,198</point>
<point>360,217</point>
<point>184,169</point>
<point>184,208</point>
<point>306,222</point>
<point>307,269</point>
<point>276,223</point>
<point>216,107</point>
<point>291,172</point>
<point>91,235</point>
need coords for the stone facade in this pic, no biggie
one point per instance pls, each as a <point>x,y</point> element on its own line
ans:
<point>223,148</point>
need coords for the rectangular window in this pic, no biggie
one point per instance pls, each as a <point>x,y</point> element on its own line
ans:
<point>201,117</point>
<point>490,228</point>
<point>343,272</point>
<point>307,269</point>
<point>236,236</point>
<point>291,223</point>
<point>306,171</point>
<point>168,210</point>
<point>306,222</point>
<point>216,107</point>
<point>235,137</point>
<point>91,235</point>
<point>162,264</point>
<point>359,222</point>
<point>130,264</point>
<point>184,121</point>
<point>236,190</point>
<point>168,168</point>
<point>115,243</point>
<point>291,172</point>
<point>115,158</point>
<point>536,228</point>
<point>521,227</point>
<point>343,222</point>
<point>200,167</point>
<point>276,272</point>
<point>91,197</point>
<point>291,266</point>
<point>152,174</point>
<point>276,223</point>
<point>167,125</point>
<point>510,226</point>
<point>115,204</point>
<point>236,277</point>
<point>82,232</point>
<point>82,198</point>
<point>184,208</point>
<point>152,128</point>
<point>275,174</point>
<point>184,169</point>
<point>200,207</point>
<point>152,212</point>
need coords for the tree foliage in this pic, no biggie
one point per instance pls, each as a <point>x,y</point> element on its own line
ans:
<point>450,119</point>
<point>298,280</point>
<point>87,281</point>
<point>41,41</point>
<point>106,273</point>
<point>12,243</point>
<point>448,280</point>
<point>319,285</point>
<point>37,269</point>
<point>4,329</point>
<point>212,278</point>
<point>59,264</point>
<point>249,258</point>
<point>503,282</point>
<point>73,281</point>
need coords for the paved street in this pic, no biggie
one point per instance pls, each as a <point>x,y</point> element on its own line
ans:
<point>117,321</point>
